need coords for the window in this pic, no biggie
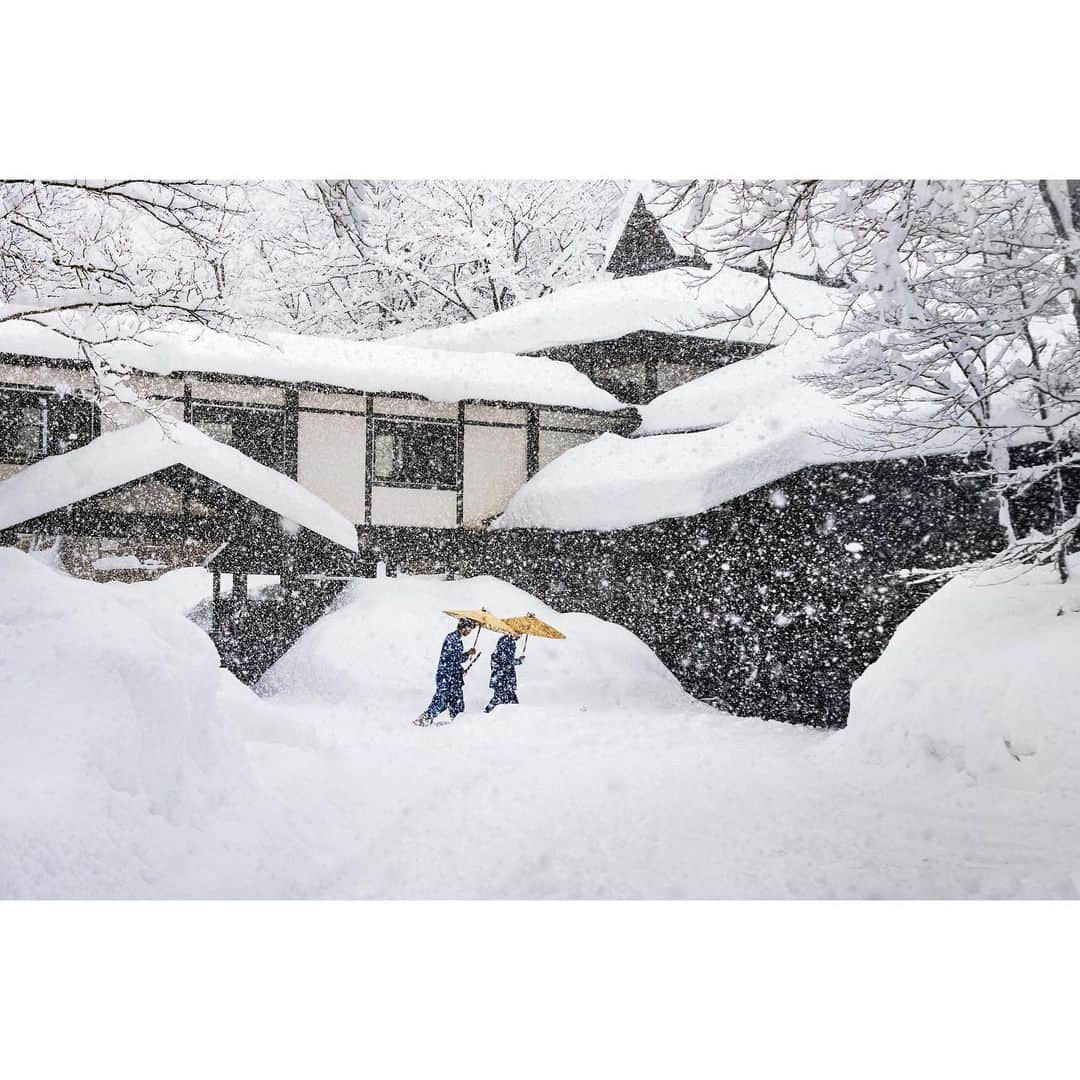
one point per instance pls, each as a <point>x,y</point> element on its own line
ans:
<point>410,453</point>
<point>35,423</point>
<point>257,432</point>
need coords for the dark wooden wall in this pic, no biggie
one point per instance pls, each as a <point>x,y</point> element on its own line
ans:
<point>602,361</point>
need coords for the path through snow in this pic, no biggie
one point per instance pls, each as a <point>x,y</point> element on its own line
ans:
<point>555,804</point>
<point>609,782</point>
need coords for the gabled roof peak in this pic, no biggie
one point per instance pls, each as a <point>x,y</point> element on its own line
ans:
<point>132,453</point>
<point>642,246</point>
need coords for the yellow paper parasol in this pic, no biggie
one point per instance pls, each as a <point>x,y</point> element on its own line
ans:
<point>483,618</point>
<point>530,624</point>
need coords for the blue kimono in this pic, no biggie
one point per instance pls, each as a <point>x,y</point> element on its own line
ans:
<point>449,678</point>
<point>504,673</point>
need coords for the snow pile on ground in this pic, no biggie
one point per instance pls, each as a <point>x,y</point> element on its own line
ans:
<point>130,766</point>
<point>118,776</point>
<point>382,643</point>
<point>607,781</point>
<point>174,592</point>
<point>434,373</point>
<point>982,680</point>
<point>118,457</point>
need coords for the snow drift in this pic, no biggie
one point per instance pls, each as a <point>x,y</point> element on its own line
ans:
<point>381,645</point>
<point>114,760</point>
<point>981,680</point>
<point>130,766</point>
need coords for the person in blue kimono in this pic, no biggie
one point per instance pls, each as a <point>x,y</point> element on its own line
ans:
<point>450,675</point>
<point>504,672</point>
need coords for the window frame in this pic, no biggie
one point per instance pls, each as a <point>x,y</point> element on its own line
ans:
<point>403,426</point>
<point>225,409</point>
<point>51,402</point>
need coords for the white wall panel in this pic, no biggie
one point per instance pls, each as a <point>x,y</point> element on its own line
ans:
<point>317,399</point>
<point>413,506</point>
<point>147,385</point>
<point>51,378</point>
<point>495,467</point>
<point>578,421</point>
<point>495,414</point>
<point>670,375</point>
<point>554,443</point>
<point>330,461</point>
<point>114,415</point>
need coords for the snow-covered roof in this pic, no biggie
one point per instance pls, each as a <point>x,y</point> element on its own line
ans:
<point>727,433</point>
<point>131,453</point>
<point>436,373</point>
<point>720,304</point>
<point>759,423</point>
<point>699,219</point>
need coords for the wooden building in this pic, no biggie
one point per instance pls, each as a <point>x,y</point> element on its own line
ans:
<point>403,443</point>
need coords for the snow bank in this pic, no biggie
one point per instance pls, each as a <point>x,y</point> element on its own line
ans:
<point>114,761</point>
<point>981,680</point>
<point>137,451</point>
<point>131,766</point>
<point>382,642</point>
<point>720,303</point>
<point>375,366</point>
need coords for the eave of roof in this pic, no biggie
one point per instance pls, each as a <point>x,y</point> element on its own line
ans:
<point>377,367</point>
<point>132,453</point>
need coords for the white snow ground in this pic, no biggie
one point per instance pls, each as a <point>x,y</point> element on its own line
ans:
<point>130,766</point>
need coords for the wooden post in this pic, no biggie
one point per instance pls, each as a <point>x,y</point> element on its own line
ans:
<point>215,606</point>
<point>239,598</point>
<point>288,562</point>
<point>369,454</point>
<point>291,464</point>
<point>460,464</point>
<point>532,442</point>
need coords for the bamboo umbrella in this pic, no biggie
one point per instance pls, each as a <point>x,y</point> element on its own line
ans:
<point>530,624</point>
<point>484,621</point>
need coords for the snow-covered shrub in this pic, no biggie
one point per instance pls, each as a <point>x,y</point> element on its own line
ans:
<point>983,679</point>
<point>113,757</point>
